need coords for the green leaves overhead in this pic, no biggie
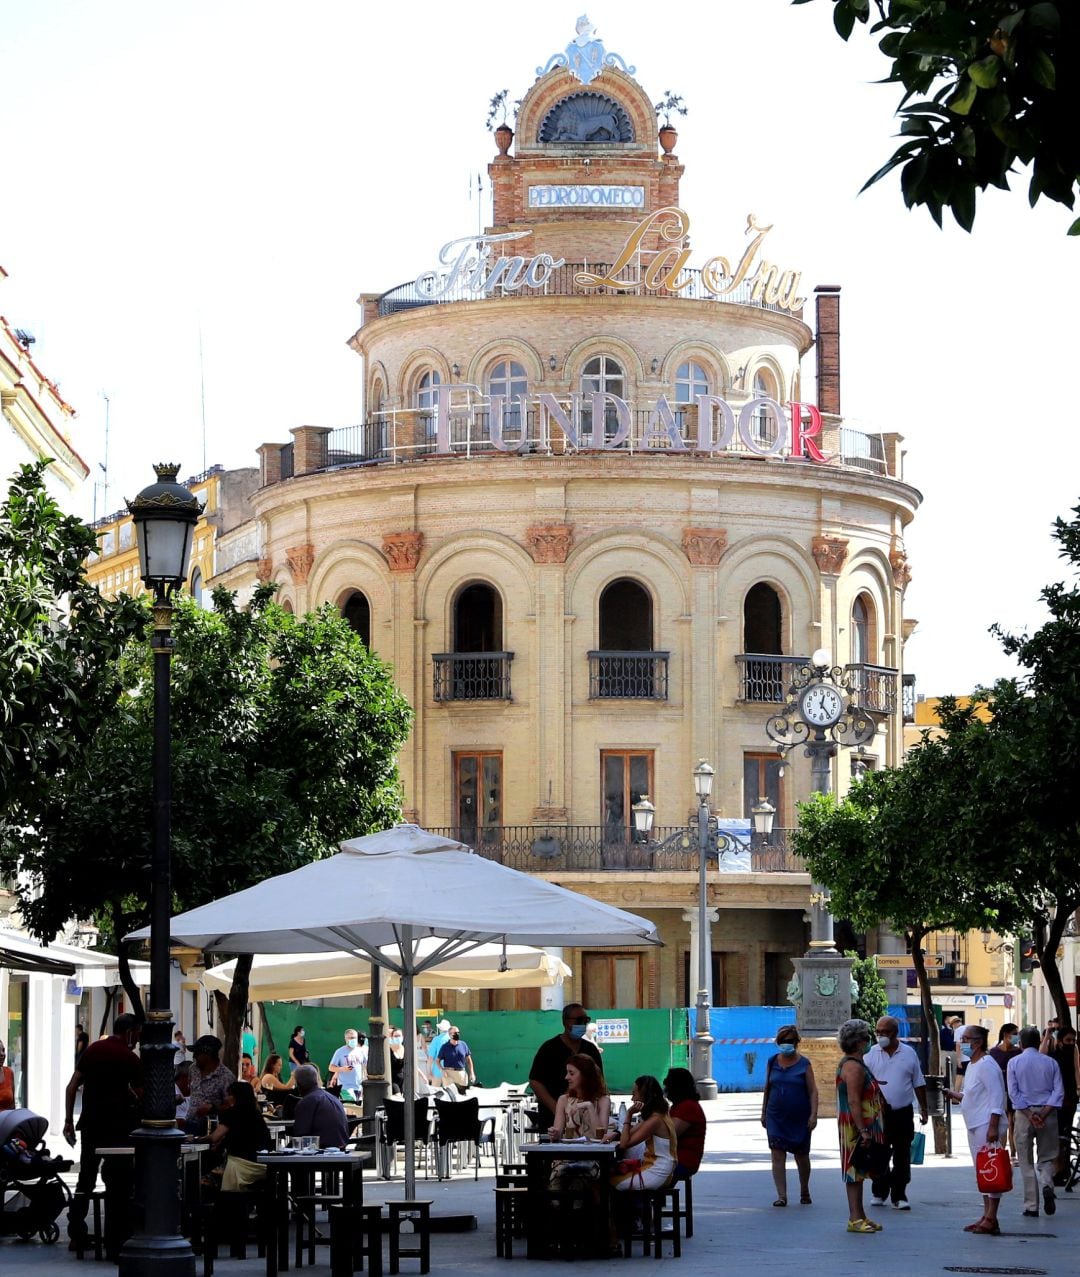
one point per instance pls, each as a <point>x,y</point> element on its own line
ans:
<point>997,84</point>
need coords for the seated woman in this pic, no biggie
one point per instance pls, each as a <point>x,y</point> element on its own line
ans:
<point>688,1118</point>
<point>647,1148</point>
<point>243,1134</point>
<point>584,1109</point>
<point>273,1088</point>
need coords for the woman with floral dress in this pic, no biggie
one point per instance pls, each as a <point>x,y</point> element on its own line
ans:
<point>859,1116</point>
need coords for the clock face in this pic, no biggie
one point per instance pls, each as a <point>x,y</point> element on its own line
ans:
<point>821,705</point>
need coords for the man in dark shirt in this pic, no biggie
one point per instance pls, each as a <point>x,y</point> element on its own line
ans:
<point>547,1077</point>
<point>319,1113</point>
<point>109,1074</point>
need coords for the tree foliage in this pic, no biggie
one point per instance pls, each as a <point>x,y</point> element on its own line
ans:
<point>284,737</point>
<point>903,846</point>
<point>987,85</point>
<point>59,643</point>
<point>872,1002</point>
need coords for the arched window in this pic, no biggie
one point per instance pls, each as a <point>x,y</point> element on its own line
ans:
<point>286,606</point>
<point>765,426</point>
<point>604,373</point>
<point>378,395</point>
<point>625,618</point>
<point>862,631</point>
<point>507,378</point>
<point>427,390</point>
<point>198,592</point>
<point>357,611</point>
<point>478,619</point>
<point>626,666</point>
<point>691,380</point>
<point>763,623</point>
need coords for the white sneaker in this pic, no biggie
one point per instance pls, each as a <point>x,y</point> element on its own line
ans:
<point>902,1204</point>
<point>880,1201</point>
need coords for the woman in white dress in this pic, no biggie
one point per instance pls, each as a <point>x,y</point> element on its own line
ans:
<point>647,1148</point>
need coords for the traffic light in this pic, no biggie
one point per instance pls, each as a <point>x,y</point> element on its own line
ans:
<point>1029,955</point>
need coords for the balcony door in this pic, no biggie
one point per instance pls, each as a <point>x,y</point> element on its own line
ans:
<point>625,777</point>
<point>477,795</point>
<point>763,777</point>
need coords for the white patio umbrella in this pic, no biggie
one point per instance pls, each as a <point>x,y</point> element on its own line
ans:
<point>384,894</point>
<point>295,976</point>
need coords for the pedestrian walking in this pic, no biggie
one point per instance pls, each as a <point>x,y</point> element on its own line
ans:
<point>897,1071</point>
<point>1061,1044</point>
<point>859,1119</point>
<point>1005,1050</point>
<point>789,1112</point>
<point>1036,1090</point>
<point>983,1104</point>
<point>456,1062</point>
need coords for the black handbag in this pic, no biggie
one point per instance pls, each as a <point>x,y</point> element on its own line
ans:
<point>869,1157</point>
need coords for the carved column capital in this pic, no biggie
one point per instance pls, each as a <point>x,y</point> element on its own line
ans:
<point>264,569</point>
<point>550,542</point>
<point>301,559</point>
<point>704,546</point>
<point>403,550</point>
<point>901,567</point>
<point>829,553</point>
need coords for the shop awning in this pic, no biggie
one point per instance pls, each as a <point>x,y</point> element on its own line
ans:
<point>32,964</point>
<point>86,967</point>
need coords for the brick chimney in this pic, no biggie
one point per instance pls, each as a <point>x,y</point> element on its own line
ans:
<point>828,347</point>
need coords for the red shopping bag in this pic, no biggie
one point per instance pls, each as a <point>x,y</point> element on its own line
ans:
<point>993,1170</point>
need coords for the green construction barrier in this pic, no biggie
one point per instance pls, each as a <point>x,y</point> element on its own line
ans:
<point>502,1043</point>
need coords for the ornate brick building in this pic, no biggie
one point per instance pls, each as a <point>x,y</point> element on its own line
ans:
<point>592,524</point>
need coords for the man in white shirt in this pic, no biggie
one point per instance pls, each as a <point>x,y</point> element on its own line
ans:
<point>896,1068</point>
<point>1037,1093</point>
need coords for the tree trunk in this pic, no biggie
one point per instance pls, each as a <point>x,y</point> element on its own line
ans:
<point>933,1041</point>
<point>110,998</point>
<point>1049,940</point>
<point>237,1006</point>
<point>124,964</point>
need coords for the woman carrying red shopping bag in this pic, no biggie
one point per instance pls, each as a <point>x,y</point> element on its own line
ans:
<point>983,1103</point>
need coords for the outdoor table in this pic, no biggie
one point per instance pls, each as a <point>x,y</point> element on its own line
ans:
<point>191,1179</point>
<point>279,1166</point>
<point>538,1159</point>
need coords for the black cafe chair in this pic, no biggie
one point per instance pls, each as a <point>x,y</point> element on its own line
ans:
<point>393,1129</point>
<point>458,1122</point>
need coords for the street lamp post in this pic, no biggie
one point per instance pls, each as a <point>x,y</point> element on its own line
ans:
<point>164,514</point>
<point>710,837</point>
<point>701,1055</point>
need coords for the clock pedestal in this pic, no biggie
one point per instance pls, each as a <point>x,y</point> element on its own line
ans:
<point>822,993</point>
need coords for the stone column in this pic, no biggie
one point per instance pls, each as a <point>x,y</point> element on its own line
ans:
<point>691,916</point>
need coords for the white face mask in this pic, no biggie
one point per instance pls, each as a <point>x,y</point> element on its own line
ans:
<point>884,1042</point>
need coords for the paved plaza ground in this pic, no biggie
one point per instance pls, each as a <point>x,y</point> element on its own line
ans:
<point>737,1230</point>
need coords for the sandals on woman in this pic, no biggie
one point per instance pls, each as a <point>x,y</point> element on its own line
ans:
<point>862,1226</point>
<point>806,1200</point>
<point>989,1226</point>
<point>780,1201</point>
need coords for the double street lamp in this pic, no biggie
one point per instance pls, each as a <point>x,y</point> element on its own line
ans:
<point>709,836</point>
<point>164,515</point>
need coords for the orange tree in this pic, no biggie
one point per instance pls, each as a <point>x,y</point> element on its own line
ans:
<point>987,85</point>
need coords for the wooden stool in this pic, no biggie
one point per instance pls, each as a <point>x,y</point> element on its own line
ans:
<point>665,1206</point>
<point>687,1183</point>
<point>417,1213</point>
<point>349,1246</point>
<point>509,1217</point>
<point>85,1239</point>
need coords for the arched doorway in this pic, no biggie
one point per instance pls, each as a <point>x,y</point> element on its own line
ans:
<point>625,666</point>
<point>763,624</point>
<point>357,611</point>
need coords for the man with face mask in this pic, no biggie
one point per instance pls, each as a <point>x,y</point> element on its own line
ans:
<point>347,1066</point>
<point>547,1077</point>
<point>896,1069</point>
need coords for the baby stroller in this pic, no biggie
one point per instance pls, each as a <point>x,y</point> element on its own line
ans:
<point>32,1194</point>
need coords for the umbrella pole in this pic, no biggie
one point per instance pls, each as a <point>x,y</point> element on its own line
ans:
<point>408,1009</point>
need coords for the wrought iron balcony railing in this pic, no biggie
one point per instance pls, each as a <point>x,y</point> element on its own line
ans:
<point>765,679</point>
<point>614,848</point>
<point>628,676</point>
<point>874,687</point>
<point>472,676</point>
